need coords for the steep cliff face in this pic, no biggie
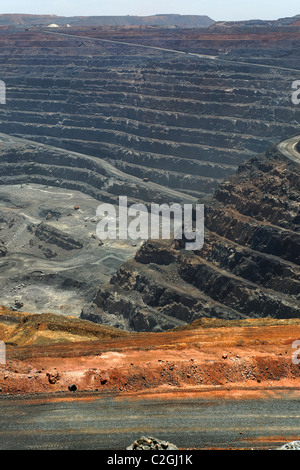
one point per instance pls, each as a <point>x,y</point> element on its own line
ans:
<point>248,266</point>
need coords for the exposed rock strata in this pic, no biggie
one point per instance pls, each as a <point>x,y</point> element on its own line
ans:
<point>248,266</point>
<point>112,117</point>
<point>182,121</point>
<point>52,353</point>
<point>22,161</point>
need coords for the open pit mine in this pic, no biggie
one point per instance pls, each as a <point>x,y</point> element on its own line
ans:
<point>166,109</point>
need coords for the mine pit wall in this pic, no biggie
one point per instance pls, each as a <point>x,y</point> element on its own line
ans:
<point>189,183</point>
<point>241,296</point>
<point>264,238</point>
<point>53,236</point>
<point>144,113</point>
<point>249,266</point>
<point>30,163</point>
<point>271,272</point>
<point>182,122</point>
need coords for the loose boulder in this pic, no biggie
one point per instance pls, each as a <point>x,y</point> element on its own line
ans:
<point>151,443</point>
<point>294,445</point>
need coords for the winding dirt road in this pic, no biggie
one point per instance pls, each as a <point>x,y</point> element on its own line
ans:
<point>174,51</point>
<point>105,167</point>
<point>288,148</point>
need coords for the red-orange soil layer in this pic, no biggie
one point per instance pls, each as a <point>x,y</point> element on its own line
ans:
<point>235,362</point>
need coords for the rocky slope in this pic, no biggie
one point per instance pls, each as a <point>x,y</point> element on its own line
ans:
<point>269,43</point>
<point>23,161</point>
<point>50,354</point>
<point>54,260</point>
<point>99,117</point>
<point>182,121</point>
<point>248,266</point>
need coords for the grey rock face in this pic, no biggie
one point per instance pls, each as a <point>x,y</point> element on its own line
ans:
<point>247,268</point>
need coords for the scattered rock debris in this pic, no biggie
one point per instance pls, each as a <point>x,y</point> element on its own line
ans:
<point>294,445</point>
<point>151,443</point>
<point>19,304</point>
<point>53,378</point>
